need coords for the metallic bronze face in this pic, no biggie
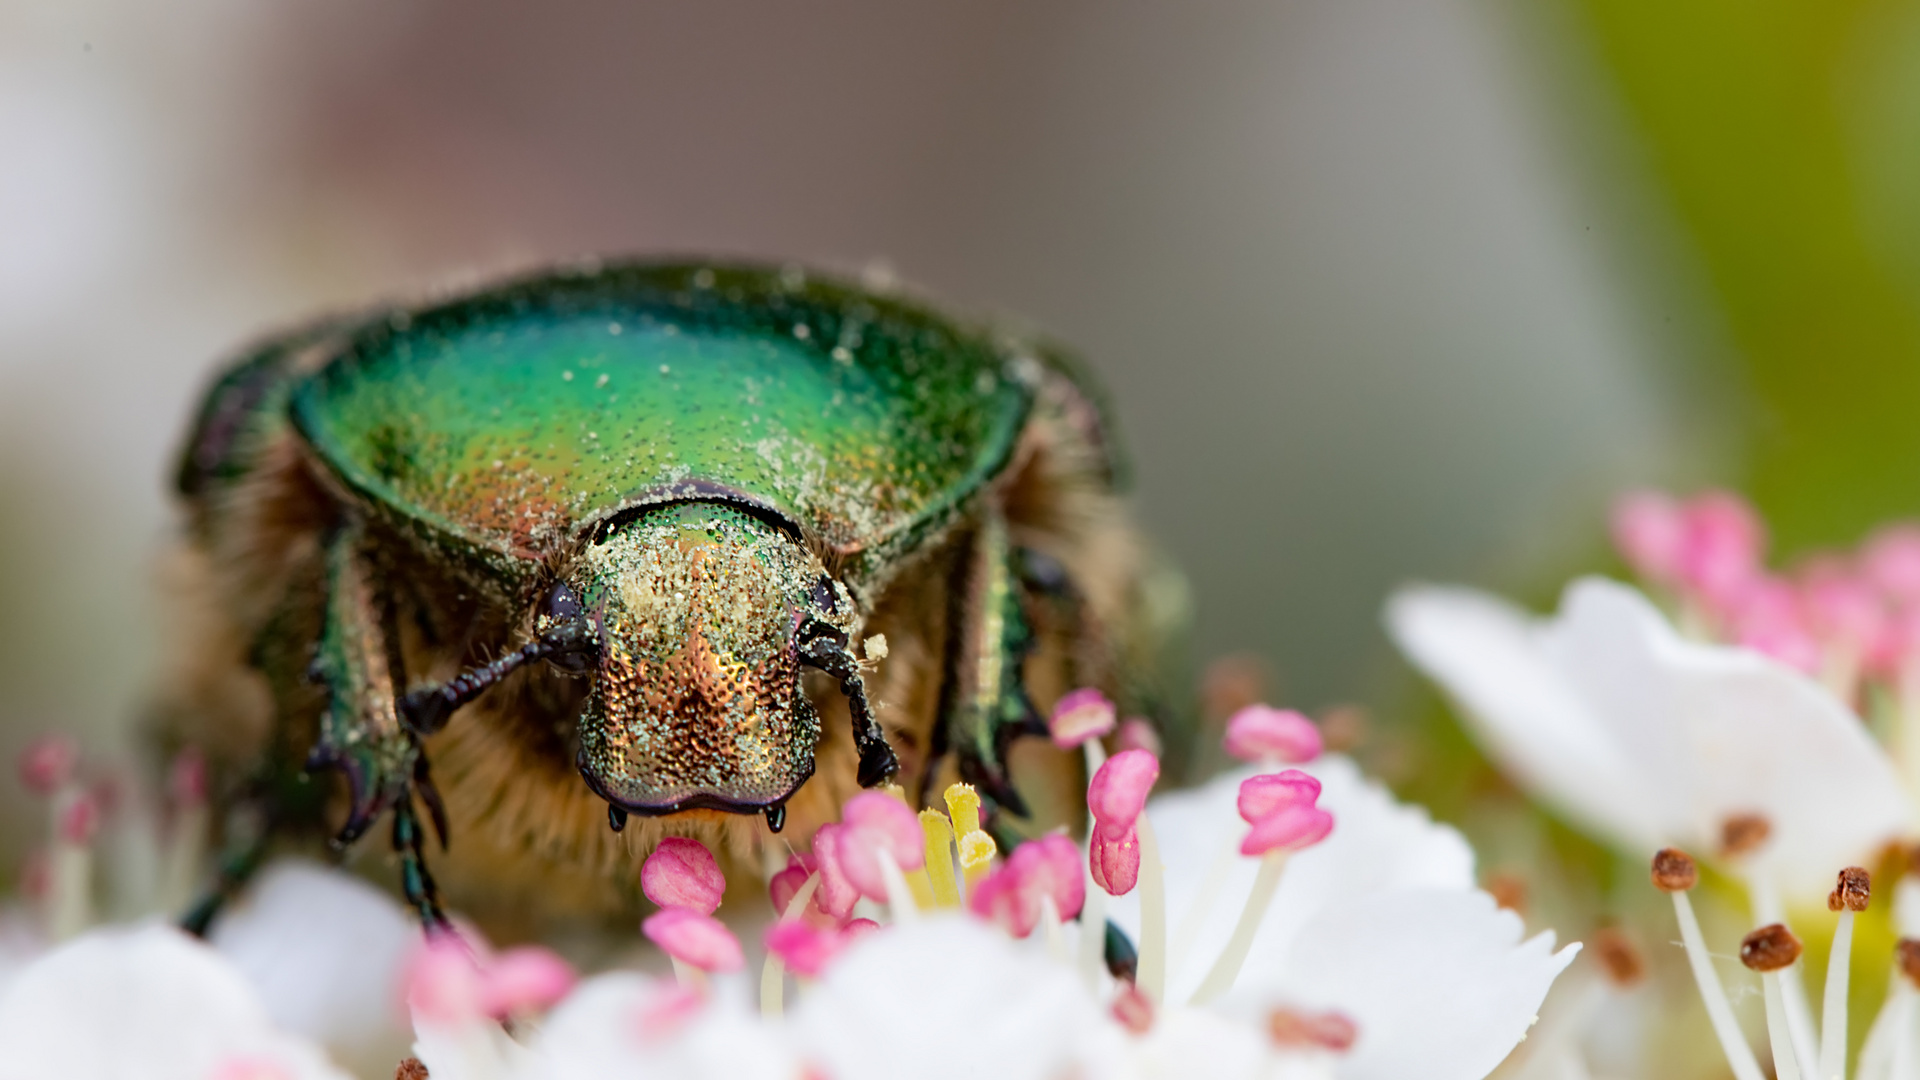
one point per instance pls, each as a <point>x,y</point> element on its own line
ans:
<point>697,699</point>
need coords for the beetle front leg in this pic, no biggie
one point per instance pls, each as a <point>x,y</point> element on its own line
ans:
<point>361,732</point>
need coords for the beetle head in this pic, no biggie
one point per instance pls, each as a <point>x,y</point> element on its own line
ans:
<point>702,613</point>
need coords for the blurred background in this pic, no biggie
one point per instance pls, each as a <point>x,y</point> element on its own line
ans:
<point>1384,289</point>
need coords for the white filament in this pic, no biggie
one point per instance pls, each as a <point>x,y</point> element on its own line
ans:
<point>1713,995</point>
<point>1226,967</point>
<point>1833,1008</point>
<point>1786,1061</point>
<point>1152,974</point>
<point>899,897</point>
<point>1764,901</point>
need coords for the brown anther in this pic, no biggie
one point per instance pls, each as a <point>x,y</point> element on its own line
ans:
<point>1673,870</point>
<point>1853,892</point>
<point>410,1069</point>
<point>1343,728</point>
<point>1509,891</point>
<point>1617,954</point>
<point>1769,948</point>
<point>1311,1031</point>
<point>1742,834</point>
<point>1133,1009</point>
<point>1906,955</point>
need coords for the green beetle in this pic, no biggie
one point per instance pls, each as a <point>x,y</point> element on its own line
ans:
<point>635,537</point>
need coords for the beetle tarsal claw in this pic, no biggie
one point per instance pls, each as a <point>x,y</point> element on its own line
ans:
<point>776,817</point>
<point>616,817</point>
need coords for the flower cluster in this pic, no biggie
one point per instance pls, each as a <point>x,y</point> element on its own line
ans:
<point>1287,919</point>
<point>1734,734</point>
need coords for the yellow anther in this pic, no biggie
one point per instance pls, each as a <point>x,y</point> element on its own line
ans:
<point>921,887</point>
<point>939,839</point>
<point>977,850</point>
<point>963,806</point>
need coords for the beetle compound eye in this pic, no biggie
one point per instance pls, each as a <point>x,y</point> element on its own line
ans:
<point>562,605</point>
<point>824,599</point>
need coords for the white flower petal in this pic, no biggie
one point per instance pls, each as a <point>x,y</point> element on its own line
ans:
<point>150,1003</point>
<point>325,950</point>
<point>1200,1042</point>
<point>1494,661</point>
<point>598,1031</point>
<point>949,997</point>
<point>1377,844</point>
<point>1648,738</point>
<point>1438,982</point>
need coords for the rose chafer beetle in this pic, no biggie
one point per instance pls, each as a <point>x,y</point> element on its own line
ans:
<point>624,541</point>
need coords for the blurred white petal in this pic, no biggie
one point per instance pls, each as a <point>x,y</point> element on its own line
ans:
<point>602,1030</point>
<point>950,997</point>
<point>150,1003</point>
<point>1646,738</point>
<point>325,951</point>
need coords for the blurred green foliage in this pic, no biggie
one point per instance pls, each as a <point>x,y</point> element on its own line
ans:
<point>1780,132</point>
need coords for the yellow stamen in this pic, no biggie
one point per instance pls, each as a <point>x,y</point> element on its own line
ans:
<point>963,805</point>
<point>939,839</point>
<point>977,850</point>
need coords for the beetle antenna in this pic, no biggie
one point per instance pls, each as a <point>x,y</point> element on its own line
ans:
<point>829,653</point>
<point>426,710</point>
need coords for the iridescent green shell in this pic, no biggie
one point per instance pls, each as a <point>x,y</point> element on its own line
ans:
<point>502,423</point>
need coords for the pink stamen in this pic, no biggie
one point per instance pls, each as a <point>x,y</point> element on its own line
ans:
<point>1119,790</point>
<point>1649,531</point>
<point>858,928</point>
<point>1264,733</point>
<point>524,980</point>
<point>1842,609</point>
<point>443,983</point>
<point>807,950</point>
<point>1722,548</point>
<point>1114,861</point>
<point>79,820</point>
<point>1133,1009</point>
<point>249,1068</point>
<point>836,894</point>
<point>695,939</point>
<point>1281,810</point>
<point>1138,733</point>
<point>667,1012</point>
<point>1890,560</point>
<point>187,779</point>
<point>1048,867</point>
<point>1116,798</point>
<point>48,763</point>
<point>683,873</point>
<point>874,823</point>
<point>1079,716</point>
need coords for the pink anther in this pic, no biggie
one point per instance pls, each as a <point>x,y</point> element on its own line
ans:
<point>694,939</point>
<point>48,762</point>
<point>525,980</point>
<point>1264,733</point>
<point>1649,531</point>
<point>874,824</point>
<point>1138,733</point>
<point>806,950</point>
<point>683,873</point>
<point>1047,868</point>
<point>1081,715</point>
<point>1281,808</point>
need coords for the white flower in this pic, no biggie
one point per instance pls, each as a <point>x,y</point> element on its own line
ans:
<point>1380,922</point>
<point>325,950</point>
<point>639,1027</point>
<point>148,1003</point>
<point>949,996</point>
<point>1647,739</point>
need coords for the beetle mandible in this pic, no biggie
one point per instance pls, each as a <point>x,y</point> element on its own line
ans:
<point>622,541</point>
